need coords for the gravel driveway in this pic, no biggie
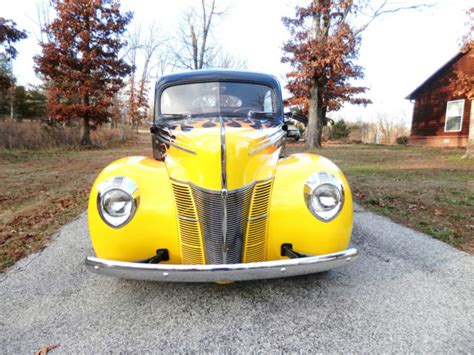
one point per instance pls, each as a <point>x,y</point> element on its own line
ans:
<point>406,293</point>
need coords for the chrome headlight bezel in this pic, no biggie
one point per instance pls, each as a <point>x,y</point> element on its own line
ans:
<point>313,189</point>
<point>128,188</point>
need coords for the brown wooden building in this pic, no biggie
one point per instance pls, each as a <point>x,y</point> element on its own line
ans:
<point>440,118</point>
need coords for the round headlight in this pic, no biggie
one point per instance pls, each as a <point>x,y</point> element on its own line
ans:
<point>117,201</point>
<point>324,195</point>
<point>325,198</point>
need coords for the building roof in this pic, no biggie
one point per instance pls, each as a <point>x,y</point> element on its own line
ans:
<point>433,76</point>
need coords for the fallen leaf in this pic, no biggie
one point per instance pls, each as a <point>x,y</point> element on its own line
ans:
<point>44,349</point>
<point>18,253</point>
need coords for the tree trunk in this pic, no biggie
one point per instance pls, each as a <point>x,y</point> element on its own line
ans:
<point>122,127</point>
<point>86,132</point>
<point>12,101</point>
<point>470,140</point>
<point>194,46</point>
<point>206,25</point>
<point>314,129</point>
<point>12,109</point>
<point>469,150</point>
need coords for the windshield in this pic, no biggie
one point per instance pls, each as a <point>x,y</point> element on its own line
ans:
<point>199,99</point>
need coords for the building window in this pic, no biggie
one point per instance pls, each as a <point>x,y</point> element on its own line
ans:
<point>454,113</point>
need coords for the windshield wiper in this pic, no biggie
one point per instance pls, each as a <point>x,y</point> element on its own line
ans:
<point>259,114</point>
<point>173,116</point>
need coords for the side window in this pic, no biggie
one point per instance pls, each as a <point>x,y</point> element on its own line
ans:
<point>454,113</point>
<point>165,103</point>
<point>268,102</point>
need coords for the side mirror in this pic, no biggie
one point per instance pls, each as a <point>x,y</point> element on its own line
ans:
<point>297,117</point>
<point>291,132</point>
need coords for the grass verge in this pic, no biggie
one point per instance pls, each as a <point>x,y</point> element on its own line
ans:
<point>43,190</point>
<point>428,189</point>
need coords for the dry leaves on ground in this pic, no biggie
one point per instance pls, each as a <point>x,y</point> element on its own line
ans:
<point>44,349</point>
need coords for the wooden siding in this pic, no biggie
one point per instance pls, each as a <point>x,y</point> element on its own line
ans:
<point>431,99</point>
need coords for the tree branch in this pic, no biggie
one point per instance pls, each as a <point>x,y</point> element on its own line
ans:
<point>382,11</point>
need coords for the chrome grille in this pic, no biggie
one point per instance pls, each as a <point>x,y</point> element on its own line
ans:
<point>210,209</point>
<point>188,224</point>
<point>257,225</point>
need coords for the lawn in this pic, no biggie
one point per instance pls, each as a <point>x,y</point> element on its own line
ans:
<point>43,190</point>
<point>428,189</point>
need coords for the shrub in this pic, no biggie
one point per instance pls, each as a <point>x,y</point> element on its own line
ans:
<point>403,140</point>
<point>24,135</point>
<point>33,135</point>
<point>340,130</point>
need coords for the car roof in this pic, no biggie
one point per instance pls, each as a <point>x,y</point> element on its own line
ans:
<point>217,75</point>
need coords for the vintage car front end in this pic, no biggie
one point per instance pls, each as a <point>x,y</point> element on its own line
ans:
<point>218,201</point>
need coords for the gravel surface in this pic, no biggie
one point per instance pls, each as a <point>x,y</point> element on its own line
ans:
<point>405,293</point>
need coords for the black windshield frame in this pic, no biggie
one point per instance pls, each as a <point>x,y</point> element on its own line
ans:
<point>219,76</point>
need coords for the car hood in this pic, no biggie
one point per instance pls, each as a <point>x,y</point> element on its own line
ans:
<point>221,153</point>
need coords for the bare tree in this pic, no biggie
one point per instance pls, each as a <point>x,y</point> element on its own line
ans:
<point>389,128</point>
<point>131,55</point>
<point>229,61</point>
<point>164,63</point>
<point>150,47</point>
<point>143,53</point>
<point>384,7</point>
<point>195,50</point>
<point>386,127</point>
<point>43,20</point>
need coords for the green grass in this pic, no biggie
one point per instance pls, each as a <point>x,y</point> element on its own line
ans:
<point>428,189</point>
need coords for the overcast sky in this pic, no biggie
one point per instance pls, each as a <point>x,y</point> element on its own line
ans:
<point>399,51</point>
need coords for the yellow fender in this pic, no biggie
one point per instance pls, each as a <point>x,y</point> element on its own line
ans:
<point>290,221</point>
<point>153,227</point>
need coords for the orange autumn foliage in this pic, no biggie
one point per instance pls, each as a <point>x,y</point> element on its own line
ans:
<point>81,61</point>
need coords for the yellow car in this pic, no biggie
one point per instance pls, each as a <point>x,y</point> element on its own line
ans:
<point>218,201</point>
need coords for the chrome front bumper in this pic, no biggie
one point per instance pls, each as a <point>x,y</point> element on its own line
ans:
<point>222,272</point>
